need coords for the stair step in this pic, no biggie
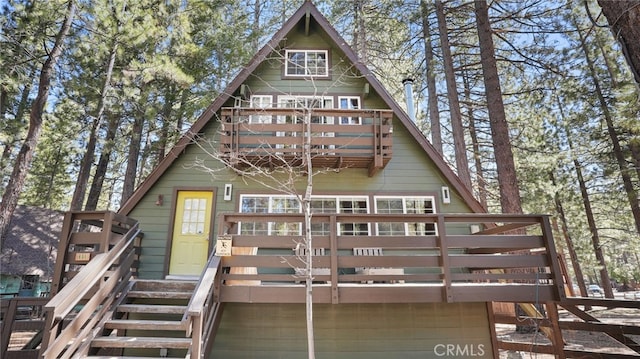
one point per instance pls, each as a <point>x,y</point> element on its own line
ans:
<point>141,342</point>
<point>144,324</point>
<point>121,357</point>
<point>151,308</point>
<point>159,295</point>
<point>151,285</point>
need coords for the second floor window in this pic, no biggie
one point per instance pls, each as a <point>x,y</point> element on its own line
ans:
<point>306,63</point>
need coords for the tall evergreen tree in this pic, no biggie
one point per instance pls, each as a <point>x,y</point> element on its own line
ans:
<point>507,176</point>
<point>23,161</point>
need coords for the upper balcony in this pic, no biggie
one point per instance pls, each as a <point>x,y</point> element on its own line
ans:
<point>513,260</point>
<point>336,138</point>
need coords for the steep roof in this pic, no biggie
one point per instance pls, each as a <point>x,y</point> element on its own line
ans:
<point>305,12</point>
<point>32,242</point>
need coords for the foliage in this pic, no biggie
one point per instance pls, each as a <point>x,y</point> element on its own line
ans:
<point>174,57</point>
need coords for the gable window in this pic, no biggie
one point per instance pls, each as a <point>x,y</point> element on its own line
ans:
<point>405,205</point>
<point>349,103</point>
<point>306,63</point>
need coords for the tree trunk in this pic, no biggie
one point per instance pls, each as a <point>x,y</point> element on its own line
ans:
<point>89,155</point>
<point>163,140</point>
<point>20,111</point>
<point>505,166</point>
<point>634,148</point>
<point>462,163</point>
<point>255,26</point>
<point>632,195</point>
<point>308,238</point>
<point>25,156</point>
<point>434,115</point>
<point>575,263</point>
<point>577,269</point>
<point>623,18</point>
<point>507,178</point>
<point>595,237</point>
<point>477,158</point>
<point>103,165</point>
<point>85,168</point>
<point>360,32</point>
<point>132,159</point>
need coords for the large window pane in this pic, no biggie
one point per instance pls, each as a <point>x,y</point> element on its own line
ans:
<point>405,205</point>
<point>353,205</point>
<point>306,63</point>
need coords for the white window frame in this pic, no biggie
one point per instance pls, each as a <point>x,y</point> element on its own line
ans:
<point>310,69</point>
<point>271,230</point>
<point>264,102</point>
<point>350,106</point>
<point>305,102</point>
<point>407,226</point>
<point>272,226</point>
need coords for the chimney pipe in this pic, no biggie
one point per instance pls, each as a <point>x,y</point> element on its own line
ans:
<point>408,93</point>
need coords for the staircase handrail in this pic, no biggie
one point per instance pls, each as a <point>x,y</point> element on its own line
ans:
<point>71,295</point>
<point>201,309</point>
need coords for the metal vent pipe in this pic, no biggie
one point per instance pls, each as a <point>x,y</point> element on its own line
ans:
<point>408,93</point>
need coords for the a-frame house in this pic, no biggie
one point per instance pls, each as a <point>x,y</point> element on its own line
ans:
<point>405,262</point>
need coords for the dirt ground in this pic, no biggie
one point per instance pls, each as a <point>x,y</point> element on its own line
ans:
<point>579,340</point>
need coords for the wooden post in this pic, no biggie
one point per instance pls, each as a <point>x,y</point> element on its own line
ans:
<point>333,238</point>
<point>63,248</point>
<point>107,225</point>
<point>552,256</point>
<point>196,337</point>
<point>556,338</point>
<point>441,239</point>
<point>7,326</point>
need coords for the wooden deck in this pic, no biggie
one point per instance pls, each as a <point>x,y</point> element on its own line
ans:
<point>513,261</point>
<point>276,136</point>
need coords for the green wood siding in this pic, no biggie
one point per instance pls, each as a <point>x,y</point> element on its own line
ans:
<point>354,331</point>
<point>409,171</point>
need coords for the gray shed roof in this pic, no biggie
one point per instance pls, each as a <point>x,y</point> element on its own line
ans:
<point>32,242</point>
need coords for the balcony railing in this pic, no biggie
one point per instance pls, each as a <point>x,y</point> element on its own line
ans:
<point>338,138</point>
<point>513,260</point>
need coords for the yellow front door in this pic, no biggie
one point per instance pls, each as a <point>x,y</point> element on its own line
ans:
<point>191,228</point>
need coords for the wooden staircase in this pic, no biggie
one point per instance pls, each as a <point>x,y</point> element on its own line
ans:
<point>148,322</point>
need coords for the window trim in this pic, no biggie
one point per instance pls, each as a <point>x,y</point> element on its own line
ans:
<point>349,120</point>
<point>260,118</point>
<point>270,197</point>
<point>286,66</point>
<point>404,199</point>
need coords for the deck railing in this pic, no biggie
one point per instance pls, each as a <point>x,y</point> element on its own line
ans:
<point>339,138</point>
<point>203,312</point>
<point>514,259</point>
<point>554,341</point>
<point>73,313</point>
<point>22,315</point>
